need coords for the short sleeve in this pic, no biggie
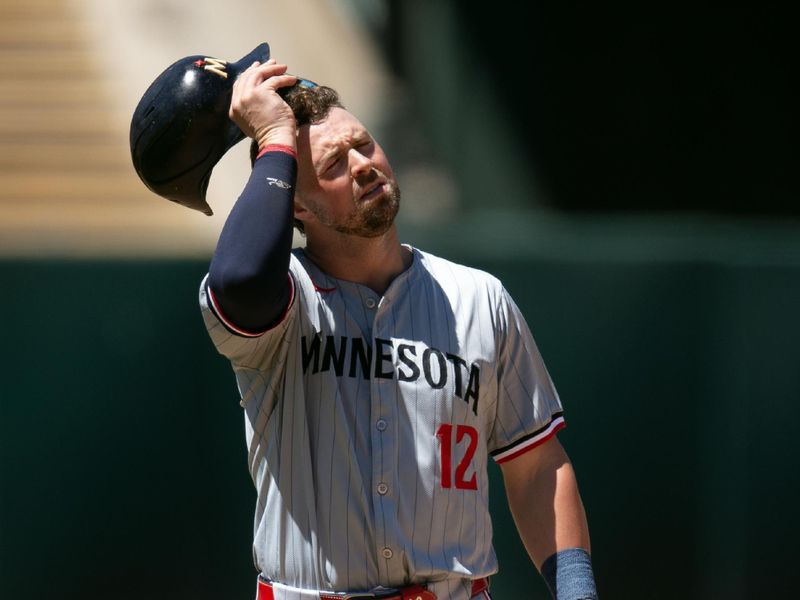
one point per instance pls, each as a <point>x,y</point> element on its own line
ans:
<point>244,349</point>
<point>528,410</point>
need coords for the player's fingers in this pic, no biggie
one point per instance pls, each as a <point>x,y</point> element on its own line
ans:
<point>278,81</point>
<point>245,79</point>
<point>266,71</point>
<point>256,73</point>
<point>243,89</point>
<point>248,86</point>
<point>255,92</point>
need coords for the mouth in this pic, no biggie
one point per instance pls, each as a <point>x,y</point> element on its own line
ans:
<point>373,191</point>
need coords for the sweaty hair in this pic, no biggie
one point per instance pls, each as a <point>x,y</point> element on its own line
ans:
<point>310,105</point>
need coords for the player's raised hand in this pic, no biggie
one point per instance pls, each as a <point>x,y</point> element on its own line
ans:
<point>257,108</point>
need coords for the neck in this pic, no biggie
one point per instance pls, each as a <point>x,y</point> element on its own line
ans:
<point>373,262</point>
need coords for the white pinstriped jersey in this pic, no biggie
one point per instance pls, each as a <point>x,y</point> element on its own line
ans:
<point>370,420</point>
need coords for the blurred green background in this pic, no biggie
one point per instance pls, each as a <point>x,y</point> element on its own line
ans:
<point>629,172</point>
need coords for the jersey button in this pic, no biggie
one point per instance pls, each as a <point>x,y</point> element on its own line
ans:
<point>387,553</point>
<point>370,302</point>
<point>381,425</point>
<point>382,488</point>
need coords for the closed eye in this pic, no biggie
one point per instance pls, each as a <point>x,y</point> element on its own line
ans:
<point>364,147</point>
<point>332,163</point>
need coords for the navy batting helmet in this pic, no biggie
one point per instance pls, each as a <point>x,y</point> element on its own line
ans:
<point>181,129</point>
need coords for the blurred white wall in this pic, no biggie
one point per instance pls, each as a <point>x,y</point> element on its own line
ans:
<point>135,40</point>
<point>67,186</point>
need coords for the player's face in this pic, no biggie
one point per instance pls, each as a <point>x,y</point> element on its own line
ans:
<point>345,182</point>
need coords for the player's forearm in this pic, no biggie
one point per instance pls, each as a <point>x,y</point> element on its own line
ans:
<point>548,511</point>
<point>544,499</point>
<point>248,272</point>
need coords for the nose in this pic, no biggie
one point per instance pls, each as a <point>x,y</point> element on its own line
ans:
<point>359,164</point>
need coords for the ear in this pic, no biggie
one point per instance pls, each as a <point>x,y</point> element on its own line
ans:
<point>301,212</point>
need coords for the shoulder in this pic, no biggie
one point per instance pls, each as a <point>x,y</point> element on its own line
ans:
<point>303,270</point>
<point>464,276</point>
<point>304,274</point>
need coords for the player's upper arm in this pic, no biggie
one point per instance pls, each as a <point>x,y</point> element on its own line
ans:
<point>248,273</point>
<point>528,410</point>
<point>546,456</point>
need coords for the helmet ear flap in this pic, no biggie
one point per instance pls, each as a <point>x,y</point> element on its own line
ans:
<point>180,128</point>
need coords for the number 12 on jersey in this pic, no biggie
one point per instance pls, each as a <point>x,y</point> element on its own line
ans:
<point>445,433</point>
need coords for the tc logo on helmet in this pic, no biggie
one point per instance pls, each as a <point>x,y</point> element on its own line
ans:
<point>213,65</point>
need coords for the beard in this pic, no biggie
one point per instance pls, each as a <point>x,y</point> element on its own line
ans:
<point>369,218</point>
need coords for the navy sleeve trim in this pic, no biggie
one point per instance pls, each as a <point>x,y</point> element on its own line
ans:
<point>530,441</point>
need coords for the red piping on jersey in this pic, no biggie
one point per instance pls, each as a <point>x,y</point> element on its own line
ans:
<point>556,426</point>
<point>318,288</point>
<point>276,148</point>
<point>239,330</point>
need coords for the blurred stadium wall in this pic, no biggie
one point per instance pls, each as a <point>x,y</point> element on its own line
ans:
<point>629,173</point>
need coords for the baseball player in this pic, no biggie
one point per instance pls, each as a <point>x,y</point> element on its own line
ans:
<point>376,379</point>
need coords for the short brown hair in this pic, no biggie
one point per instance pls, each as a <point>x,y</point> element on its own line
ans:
<point>310,104</point>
